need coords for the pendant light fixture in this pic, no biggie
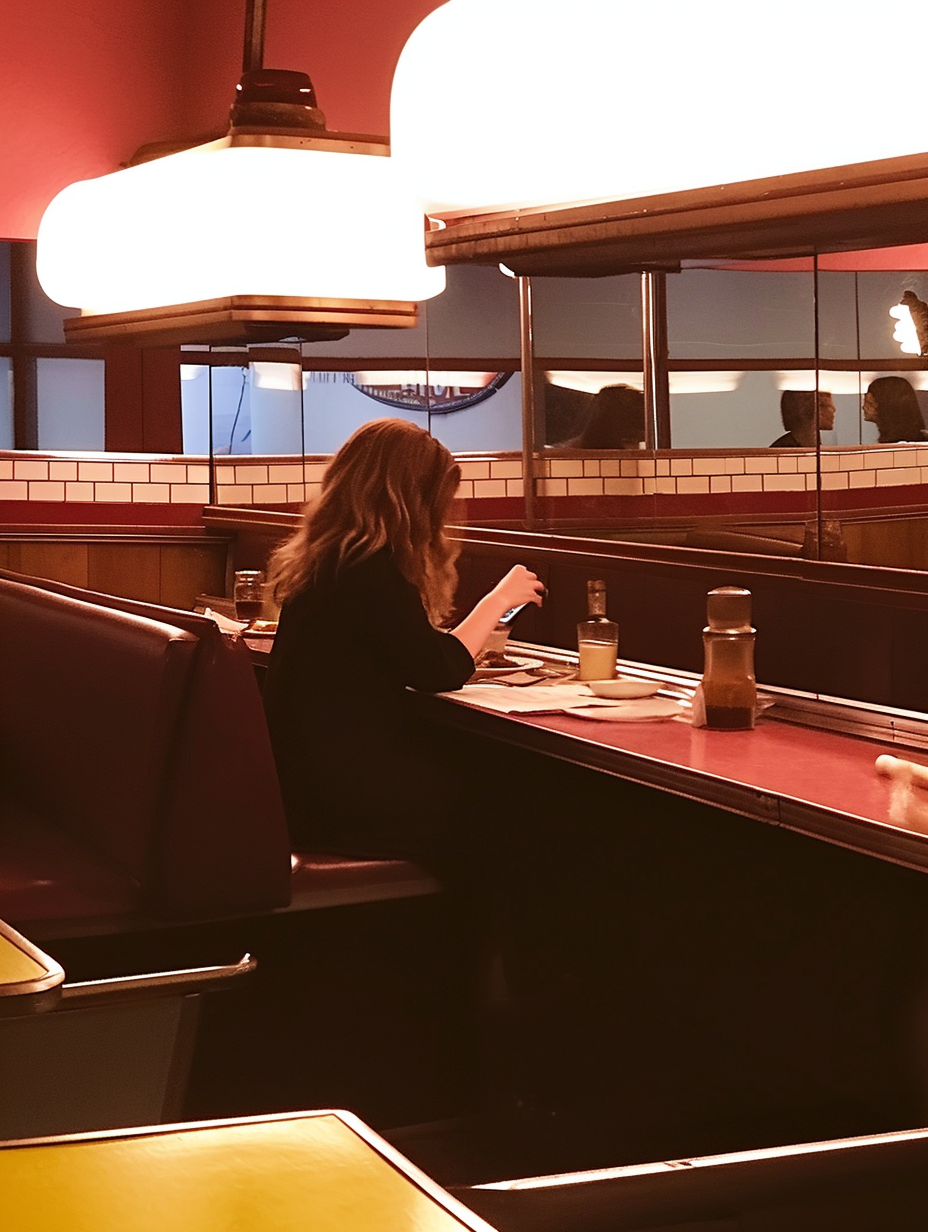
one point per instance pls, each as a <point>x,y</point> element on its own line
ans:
<point>279,229</point>
<point>602,101</point>
<point>598,137</point>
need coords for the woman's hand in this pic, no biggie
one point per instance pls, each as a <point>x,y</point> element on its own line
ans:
<point>519,586</point>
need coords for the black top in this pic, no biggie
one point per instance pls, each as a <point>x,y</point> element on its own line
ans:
<point>356,774</point>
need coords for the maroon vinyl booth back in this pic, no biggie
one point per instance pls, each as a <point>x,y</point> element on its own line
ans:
<point>137,732</point>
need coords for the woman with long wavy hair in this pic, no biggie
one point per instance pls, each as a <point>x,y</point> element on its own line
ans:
<point>365,584</point>
<point>892,404</point>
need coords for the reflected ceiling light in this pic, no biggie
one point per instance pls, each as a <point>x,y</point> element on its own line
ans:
<point>446,380</point>
<point>280,229</point>
<point>911,332</point>
<point>276,376</point>
<point>830,382</point>
<point>564,110</point>
<point>679,382</point>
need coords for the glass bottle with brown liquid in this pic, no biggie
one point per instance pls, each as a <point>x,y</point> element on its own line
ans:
<point>729,690</point>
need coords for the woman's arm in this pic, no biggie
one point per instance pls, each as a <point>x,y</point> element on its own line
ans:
<point>519,585</point>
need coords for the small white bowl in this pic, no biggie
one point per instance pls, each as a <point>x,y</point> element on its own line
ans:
<point>623,687</point>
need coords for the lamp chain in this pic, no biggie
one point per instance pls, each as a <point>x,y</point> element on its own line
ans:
<point>253,54</point>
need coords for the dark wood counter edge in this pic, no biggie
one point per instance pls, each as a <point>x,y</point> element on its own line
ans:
<point>871,838</point>
<point>876,580</point>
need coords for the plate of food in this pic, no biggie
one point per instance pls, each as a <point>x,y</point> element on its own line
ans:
<point>495,663</point>
<point>260,628</point>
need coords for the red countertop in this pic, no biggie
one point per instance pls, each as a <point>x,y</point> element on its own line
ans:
<point>819,782</point>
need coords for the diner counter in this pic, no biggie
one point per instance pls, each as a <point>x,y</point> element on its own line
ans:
<point>815,781</point>
<point>791,772</point>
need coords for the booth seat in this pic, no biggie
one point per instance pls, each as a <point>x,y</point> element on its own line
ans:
<point>138,776</point>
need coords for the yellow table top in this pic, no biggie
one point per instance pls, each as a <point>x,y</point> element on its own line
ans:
<point>24,968</point>
<point>312,1172</point>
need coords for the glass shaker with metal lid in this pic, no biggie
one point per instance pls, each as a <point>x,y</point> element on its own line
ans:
<point>728,689</point>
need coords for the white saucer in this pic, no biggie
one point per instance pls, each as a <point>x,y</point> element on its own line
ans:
<point>623,687</point>
<point>638,710</point>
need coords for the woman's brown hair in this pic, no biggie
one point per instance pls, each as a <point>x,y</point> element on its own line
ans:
<point>391,485</point>
<point>898,414</point>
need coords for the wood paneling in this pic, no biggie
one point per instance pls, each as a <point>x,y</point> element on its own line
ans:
<point>169,571</point>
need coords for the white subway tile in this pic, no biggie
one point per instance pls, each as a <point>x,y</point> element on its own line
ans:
<point>469,470</point>
<point>552,487</point>
<point>708,466</point>
<point>760,464</point>
<point>189,494</point>
<point>692,484</point>
<point>862,479</point>
<point>585,487</point>
<point>489,487</point>
<point>14,489</point>
<point>249,473</point>
<point>30,468</point>
<point>270,493</point>
<point>834,482</point>
<point>626,487</point>
<point>167,472</point>
<point>78,491</point>
<point>784,483</point>
<point>896,478</point>
<point>46,490</point>
<point>151,493</point>
<point>233,494</point>
<point>131,472</point>
<point>566,468</point>
<point>113,492</point>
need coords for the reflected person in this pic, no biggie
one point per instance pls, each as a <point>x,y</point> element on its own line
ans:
<point>616,420</point>
<point>892,404</point>
<point>797,410</point>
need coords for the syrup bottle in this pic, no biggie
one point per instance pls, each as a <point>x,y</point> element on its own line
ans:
<point>728,688</point>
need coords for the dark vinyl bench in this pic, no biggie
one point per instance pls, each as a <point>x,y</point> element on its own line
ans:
<point>138,777</point>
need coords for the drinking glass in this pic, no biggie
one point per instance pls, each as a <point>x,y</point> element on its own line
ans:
<point>248,594</point>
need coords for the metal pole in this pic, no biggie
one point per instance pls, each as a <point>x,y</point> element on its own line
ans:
<point>654,354</point>
<point>253,55</point>
<point>528,400</point>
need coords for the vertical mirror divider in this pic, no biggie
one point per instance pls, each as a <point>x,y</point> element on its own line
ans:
<point>654,359</point>
<point>527,350</point>
<point>816,344</point>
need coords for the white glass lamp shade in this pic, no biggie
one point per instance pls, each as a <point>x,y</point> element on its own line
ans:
<point>502,104</point>
<point>222,220</point>
<point>904,332</point>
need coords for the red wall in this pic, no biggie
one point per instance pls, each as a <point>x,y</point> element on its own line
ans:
<point>83,85</point>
